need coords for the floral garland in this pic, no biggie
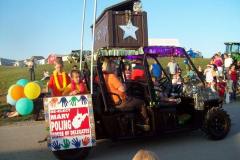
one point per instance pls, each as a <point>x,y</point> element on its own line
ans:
<point>55,75</point>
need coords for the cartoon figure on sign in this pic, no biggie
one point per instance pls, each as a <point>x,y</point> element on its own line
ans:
<point>83,99</point>
<point>53,102</point>
<point>64,101</point>
<point>74,101</point>
<point>78,120</point>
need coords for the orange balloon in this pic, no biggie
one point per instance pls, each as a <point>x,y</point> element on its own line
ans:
<point>17,92</point>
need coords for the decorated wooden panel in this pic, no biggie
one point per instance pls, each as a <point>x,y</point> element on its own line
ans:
<point>121,29</point>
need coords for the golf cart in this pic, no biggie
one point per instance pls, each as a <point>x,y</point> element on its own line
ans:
<point>202,107</point>
<point>199,108</point>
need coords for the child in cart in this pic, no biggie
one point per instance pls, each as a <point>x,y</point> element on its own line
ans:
<point>76,86</point>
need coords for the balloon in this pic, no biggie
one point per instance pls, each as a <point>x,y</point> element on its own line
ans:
<point>22,82</point>
<point>32,90</point>
<point>39,83</point>
<point>10,88</point>
<point>10,100</point>
<point>24,106</point>
<point>17,92</point>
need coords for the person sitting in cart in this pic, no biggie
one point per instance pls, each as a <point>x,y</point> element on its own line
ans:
<point>138,71</point>
<point>127,72</point>
<point>59,80</point>
<point>114,85</point>
<point>76,86</point>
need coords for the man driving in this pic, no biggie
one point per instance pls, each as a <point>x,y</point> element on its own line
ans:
<point>114,85</point>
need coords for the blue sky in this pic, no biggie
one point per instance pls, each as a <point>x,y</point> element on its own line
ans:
<point>40,27</point>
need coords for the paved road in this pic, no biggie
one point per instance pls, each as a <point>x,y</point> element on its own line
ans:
<point>19,142</point>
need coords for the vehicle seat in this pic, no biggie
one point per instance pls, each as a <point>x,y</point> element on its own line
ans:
<point>109,105</point>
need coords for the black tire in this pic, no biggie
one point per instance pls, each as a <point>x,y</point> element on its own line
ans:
<point>72,154</point>
<point>217,123</point>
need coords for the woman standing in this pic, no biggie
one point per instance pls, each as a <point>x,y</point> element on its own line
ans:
<point>59,80</point>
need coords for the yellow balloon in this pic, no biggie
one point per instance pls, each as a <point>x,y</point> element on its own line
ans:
<point>32,90</point>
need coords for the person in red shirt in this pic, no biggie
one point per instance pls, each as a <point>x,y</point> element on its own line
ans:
<point>59,80</point>
<point>233,76</point>
<point>138,71</point>
<point>221,85</point>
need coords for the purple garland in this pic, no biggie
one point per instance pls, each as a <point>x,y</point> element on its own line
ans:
<point>134,57</point>
<point>165,51</point>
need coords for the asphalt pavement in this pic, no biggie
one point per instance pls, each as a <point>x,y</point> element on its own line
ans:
<point>19,142</point>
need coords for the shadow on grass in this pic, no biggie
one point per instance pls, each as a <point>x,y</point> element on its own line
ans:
<point>5,121</point>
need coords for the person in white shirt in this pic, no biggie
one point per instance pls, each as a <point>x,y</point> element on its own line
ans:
<point>172,67</point>
<point>227,63</point>
<point>208,74</point>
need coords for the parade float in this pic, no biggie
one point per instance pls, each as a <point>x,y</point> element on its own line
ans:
<point>75,123</point>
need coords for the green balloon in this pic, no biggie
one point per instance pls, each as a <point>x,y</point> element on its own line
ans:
<point>22,82</point>
<point>24,106</point>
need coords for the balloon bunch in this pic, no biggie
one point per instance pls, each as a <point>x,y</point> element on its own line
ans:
<point>22,94</point>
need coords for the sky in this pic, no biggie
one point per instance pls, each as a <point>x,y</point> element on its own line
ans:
<point>41,27</point>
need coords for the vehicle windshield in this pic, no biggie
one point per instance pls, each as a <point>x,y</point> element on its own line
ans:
<point>188,67</point>
<point>235,48</point>
<point>232,48</point>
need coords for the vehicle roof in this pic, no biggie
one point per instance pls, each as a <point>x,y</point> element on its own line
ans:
<point>165,51</point>
<point>226,43</point>
<point>122,6</point>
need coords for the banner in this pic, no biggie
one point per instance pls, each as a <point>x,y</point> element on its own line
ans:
<point>71,122</point>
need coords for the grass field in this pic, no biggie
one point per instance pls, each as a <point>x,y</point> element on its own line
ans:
<point>10,75</point>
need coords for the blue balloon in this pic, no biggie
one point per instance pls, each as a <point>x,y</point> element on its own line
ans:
<point>10,100</point>
<point>24,106</point>
<point>22,82</point>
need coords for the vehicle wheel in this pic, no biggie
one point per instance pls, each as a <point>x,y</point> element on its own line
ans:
<point>72,154</point>
<point>217,123</point>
